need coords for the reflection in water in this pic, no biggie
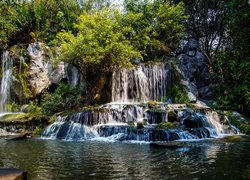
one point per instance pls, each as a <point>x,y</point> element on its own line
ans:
<point>98,160</point>
<point>211,153</point>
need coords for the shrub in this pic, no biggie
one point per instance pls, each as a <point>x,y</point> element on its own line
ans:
<point>65,97</point>
<point>167,125</point>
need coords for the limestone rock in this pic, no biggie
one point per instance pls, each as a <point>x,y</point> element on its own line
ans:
<point>42,73</point>
<point>38,78</point>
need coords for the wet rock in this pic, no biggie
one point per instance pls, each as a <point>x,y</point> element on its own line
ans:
<point>19,137</point>
<point>139,125</point>
<point>192,98</point>
<point>200,132</point>
<point>172,116</point>
<point>118,137</point>
<point>156,116</point>
<point>239,117</point>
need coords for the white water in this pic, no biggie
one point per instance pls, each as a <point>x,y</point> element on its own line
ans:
<point>142,83</point>
<point>7,65</point>
<point>216,128</point>
<point>131,89</point>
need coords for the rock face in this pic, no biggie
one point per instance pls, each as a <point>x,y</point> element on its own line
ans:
<point>42,73</point>
<point>194,69</point>
<point>38,72</point>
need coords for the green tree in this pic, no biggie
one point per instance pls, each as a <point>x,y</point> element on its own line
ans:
<point>99,47</point>
<point>206,23</point>
<point>100,42</point>
<point>231,65</point>
<point>22,21</point>
<point>156,26</point>
<point>8,27</point>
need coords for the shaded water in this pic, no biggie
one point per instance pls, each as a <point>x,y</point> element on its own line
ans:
<point>54,159</point>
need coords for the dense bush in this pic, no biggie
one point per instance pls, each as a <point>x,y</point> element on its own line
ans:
<point>64,98</point>
<point>24,21</point>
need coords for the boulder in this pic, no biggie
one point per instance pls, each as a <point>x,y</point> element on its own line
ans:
<point>19,137</point>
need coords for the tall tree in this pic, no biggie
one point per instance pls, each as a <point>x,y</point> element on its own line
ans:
<point>158,26</point>
<point>231,66</point>
<point>206,23</point>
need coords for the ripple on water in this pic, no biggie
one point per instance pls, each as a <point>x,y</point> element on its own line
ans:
<point>54,159</point>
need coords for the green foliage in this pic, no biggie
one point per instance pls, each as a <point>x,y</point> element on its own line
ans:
<point>99,42</point>
<point>65,97</point>
<point>243,126</point>
<point>156,27</point>
<point>231,66</point>
<point>152,103</point>
<point>12,107</point>
<point>131,123</point>
<point>22,22</point>
<point>179,95</point>
<point>167,125</point>
<point>7,22</point>
<point>35,111</point>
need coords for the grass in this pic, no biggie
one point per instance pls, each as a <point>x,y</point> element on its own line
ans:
<point>14,117</point>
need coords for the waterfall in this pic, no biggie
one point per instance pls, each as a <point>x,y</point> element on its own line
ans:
<point>7,65</point>
<point>142,83</point>
<point>118,120</point>
<point>215,127</point>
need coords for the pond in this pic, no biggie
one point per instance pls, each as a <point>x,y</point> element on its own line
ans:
<point>56,159</point>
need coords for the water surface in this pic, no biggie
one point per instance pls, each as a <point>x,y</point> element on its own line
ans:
<point>55,159</point>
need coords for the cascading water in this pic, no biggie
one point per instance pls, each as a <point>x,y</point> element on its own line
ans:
<point>142,83</point>
<point>131,89</point>
<point>7,65</point>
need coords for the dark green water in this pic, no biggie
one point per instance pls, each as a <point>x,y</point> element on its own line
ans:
<point>54,159</point>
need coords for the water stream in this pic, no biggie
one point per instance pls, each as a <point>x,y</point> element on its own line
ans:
<point>7,65</point>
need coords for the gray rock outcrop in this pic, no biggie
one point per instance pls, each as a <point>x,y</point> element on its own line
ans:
<point>195,70</point>
<point>39,65</point>
<point>42,71</point>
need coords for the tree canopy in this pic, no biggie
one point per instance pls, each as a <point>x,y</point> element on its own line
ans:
<point>99,41</point>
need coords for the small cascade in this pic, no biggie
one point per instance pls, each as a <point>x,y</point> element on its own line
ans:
<point>7,65</point>
<point>215,127</point>
<point>119,122</point>
<point>142,83</point>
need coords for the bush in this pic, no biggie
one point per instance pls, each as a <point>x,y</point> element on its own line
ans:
<point>179,95</point>
<point>243,126</point>
<point>167,125</point>
<point>34,111</point>
<point>65,97</point>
